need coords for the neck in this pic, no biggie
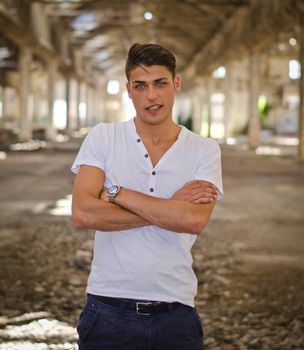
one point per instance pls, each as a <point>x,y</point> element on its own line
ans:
<point>167,131</point>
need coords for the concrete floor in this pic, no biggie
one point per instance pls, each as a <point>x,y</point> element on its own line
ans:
<point>249,261</point>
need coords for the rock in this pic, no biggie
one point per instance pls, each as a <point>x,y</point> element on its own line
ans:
<point>221,279</point>
<point>39,289</point>
<point>75,281</point>
<point>3,321</point>
<point>83,259</point>
<point>88,245</point>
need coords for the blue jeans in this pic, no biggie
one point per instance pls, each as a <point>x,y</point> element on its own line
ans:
<point>105,327</point>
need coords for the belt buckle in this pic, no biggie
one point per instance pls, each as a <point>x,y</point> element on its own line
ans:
<point>138,304</point>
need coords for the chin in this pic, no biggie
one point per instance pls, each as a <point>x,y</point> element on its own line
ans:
<point>154,120</point>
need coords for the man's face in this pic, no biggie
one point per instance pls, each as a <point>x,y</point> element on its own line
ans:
<point>152,90</point>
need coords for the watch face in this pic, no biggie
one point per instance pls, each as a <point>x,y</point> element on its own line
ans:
<point>113,189</point>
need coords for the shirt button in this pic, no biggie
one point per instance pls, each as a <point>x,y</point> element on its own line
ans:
<point>153,172</point>
<point>138,140</point>
<point>146,155</point>
<point>151,190</point>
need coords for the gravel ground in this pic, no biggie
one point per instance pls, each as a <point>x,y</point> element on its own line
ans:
<point>249,261</point>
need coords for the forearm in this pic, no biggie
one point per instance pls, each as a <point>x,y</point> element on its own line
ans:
<point>170,214</point>
<point>97,214</point>
<point>134,209</point>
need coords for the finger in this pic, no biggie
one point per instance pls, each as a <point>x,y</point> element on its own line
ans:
<point>207,184</point>
<point>203,185</point>
<point>204,189</point>
<point>203,194</point>
<point>203,201</point>
<point>200,199</point>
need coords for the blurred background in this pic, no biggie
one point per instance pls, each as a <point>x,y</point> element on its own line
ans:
<point>62,72</point>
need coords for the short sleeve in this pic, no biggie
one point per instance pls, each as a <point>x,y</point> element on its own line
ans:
<point>210,166</point>
<point>93,149</point>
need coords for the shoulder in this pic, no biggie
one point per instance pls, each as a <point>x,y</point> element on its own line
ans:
<point>101,128</point>
<point>201,142</point>
<point>106,129</point>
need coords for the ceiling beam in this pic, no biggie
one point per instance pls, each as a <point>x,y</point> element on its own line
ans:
<point>249,28</point>
<point>23,37</point>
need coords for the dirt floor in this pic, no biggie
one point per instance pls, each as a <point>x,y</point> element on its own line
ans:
<point>249,261</point>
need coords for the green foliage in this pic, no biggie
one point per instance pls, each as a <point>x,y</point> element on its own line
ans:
<point>188,123</point>
<point>263,107</point>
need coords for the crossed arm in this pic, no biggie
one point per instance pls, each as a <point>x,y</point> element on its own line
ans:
<point>188,210</point>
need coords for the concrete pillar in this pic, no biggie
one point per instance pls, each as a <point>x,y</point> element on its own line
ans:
<point>73,104</point>
<point>4,103</point>
<point>301,92</point>
<point>52,68</point>
<point>68,102</point>
<point>78,101</point>
<point>26,123</point>
<point>94,105</point>
<point>36,110</point>
<point>208,100</point>
<point>90,105</point>
<point>254,119</point>
<point>100,101</point>
<point>197,102</point>
<point>228,86</point>
<point>87,97</point>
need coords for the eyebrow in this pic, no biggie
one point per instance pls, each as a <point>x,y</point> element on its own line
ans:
<point>154,81</point>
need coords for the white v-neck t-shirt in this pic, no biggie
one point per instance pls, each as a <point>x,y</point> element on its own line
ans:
<point>148,263</point>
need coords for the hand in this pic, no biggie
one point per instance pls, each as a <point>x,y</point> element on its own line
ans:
<point>103,194</point>
<point>197,192</point>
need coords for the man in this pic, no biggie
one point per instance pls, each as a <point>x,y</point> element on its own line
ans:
<point>148,187</point>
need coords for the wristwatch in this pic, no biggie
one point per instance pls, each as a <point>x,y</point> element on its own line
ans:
<point>112,192</point>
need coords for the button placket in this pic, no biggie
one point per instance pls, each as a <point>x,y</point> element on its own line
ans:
<point>146,154</point>
<point>152,181</point>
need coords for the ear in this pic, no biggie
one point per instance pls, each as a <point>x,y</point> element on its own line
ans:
<point>128,88</point>
<point>177,83</point>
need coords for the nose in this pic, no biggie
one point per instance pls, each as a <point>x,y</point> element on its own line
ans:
<point>152,93</point>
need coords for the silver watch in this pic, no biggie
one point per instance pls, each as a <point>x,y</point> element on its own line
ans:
<point>112,192</point>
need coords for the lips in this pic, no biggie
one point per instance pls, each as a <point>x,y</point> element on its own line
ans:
<point>154,107</point>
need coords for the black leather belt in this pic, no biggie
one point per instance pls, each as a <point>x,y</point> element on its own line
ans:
<point>140,307</point>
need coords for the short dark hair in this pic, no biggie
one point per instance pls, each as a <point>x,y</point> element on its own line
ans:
<point>149,55</point>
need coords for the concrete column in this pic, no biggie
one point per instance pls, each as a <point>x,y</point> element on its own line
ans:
<point>35,107</point>
<point>301,92</point>
<point>90,105</point>
<point>208,100</point>
<point>197,101</point>
<point>228,86</point>
<point>78,101</point>
<point>94,105</point>
<point>100,101</point>
<point>51,97</point>
<point>26,123</point>
<point>88,120</point>
<point>4,103</point>
<point>254,119</point>
<point>68,102</point>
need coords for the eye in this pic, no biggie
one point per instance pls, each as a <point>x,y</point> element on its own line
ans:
<point>161,83</point>
<point>139,86</point>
